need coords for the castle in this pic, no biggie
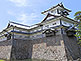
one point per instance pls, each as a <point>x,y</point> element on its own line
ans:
<point>52,39</point>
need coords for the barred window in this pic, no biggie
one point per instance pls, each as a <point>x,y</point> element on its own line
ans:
<point>54,24</point>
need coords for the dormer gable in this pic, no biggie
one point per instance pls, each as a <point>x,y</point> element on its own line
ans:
<point>49,17</point>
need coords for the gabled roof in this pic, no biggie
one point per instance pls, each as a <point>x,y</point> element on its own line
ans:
<point>49,15</point>
<point>19,24</point>
<point>60,5</point>
<point>22,25</point>
<point>55,17</point>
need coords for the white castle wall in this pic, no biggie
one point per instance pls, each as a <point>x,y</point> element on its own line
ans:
<point>51,24</point>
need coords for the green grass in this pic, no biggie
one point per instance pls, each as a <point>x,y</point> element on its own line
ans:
<point>2,60</point>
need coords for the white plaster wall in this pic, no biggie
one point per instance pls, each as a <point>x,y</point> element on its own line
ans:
<point>67,23</point>
<point>37,29</point>
<point>51,24</point>
<point>54,11</point>
<point>50,18</point>
<point>20,30</point>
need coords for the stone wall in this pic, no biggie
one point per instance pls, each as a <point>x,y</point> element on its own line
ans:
<point>22,49</point>
<point>5,49</point>
<point>72,48</point>
<point>50,48</point>
<point>59,48</point>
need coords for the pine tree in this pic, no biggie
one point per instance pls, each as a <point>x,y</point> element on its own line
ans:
<point>78,32</point>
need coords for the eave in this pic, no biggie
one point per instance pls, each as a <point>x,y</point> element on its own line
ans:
<point>55,7</point>
<point>7,29</point>
<point>71,20</point>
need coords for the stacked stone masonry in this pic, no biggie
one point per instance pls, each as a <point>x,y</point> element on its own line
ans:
<point>5,49</point>
<point>59,48</point>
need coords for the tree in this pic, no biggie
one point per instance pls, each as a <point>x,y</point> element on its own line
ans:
<point>78,32</point>
<point>78,16</point>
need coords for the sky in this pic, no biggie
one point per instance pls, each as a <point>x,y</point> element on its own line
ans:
<point>28,12</point>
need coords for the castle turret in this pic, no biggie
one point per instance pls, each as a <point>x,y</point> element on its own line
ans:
<point>59,9</point>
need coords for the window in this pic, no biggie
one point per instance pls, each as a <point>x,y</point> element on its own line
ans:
<point>47,26</point>
<point>54,24</point>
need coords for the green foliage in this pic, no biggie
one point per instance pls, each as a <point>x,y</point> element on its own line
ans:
<point>78,32</point>
<point>78,15</point>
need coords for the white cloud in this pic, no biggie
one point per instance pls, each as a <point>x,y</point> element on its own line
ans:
<point>11,13</point>
<point>24,18</point>
<point>20,2</point>
<point>27,18</point>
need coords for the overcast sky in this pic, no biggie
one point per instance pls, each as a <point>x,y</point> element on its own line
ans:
<point>29,11</point>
